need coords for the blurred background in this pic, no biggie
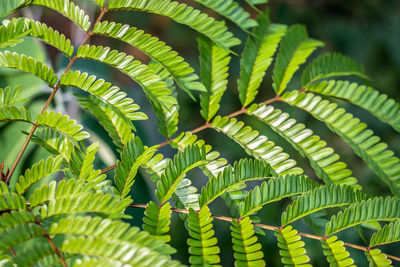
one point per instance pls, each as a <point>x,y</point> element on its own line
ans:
<point>365,30</point>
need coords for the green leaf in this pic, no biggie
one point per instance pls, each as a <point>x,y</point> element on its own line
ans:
<point>331,65</point>
<point>242,171</point>
<point>380,105</point>
<point>12,113</point>
<point>29,65</point>
<point>377,259</point>
<point>257,57</point>
<point>214,63</point>
<point>247,249</point>
<point>256,145</point>
<point>157,50</point>
<point>336,253</point>
<point>10,96</point>
<point>388,234</point>
<point>38,172</point>
<point>133,156</point>
<point>232,11</point>
<point>375,209</point>
<point>181,13</point>
<point>322,158</point>
<point>375,153</point>
<point>11,201</point>
<point>11,33</point>
<point>157,220</point>
<point>67,9</point>
<point>295,48</point>
<point>275,190</point>
<point>291,248</point>
<point>203,246</point>
<point>9,6</point>
<point>191,157</point>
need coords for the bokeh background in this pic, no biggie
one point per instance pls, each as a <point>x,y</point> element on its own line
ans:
<point>366,30</point>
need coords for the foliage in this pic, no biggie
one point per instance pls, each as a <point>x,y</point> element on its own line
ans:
<point>63,210</point>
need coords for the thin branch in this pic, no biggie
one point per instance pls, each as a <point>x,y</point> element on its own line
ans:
<point>268,227</point>
<point>50,98</point>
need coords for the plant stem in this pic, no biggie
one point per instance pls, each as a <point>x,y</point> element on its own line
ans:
<point>50,98</point>
<point>269,228</point>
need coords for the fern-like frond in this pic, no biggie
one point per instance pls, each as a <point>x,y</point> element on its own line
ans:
<point>157,50</point>
<point>10,96</point>
<point>133,155</point>
<point>43,32</point>
<point>10,201</point>
<point>12,113</point>
<point>157,220</point>
<point>232,11</point>
<point>9,6</point>
<point>292,249</point>
<point>191,157</point>
<point>119,131</point>
<point>331,65</point>
<point>257,57</point>
<point>29,65</point>
<point>375,153</point>
<point>54,142</point>
<point>181,13</point>
<point>11,33</point>
<point>256,145</point>
<point>62,123</point>
<point>375,209</point>
<point>247,249</point>
<point>214,63</point>
<point>336,253</point>
<point>388,234</point>
<point>323,197</point>
<point>275,190</point>
<point>322,158</point>
<point>242,171</point>
<point>37,172</point>
<point>377,259</point>
<point>67,9</point>
<point>295,48</point>
<point>380,105</point>
<point>203,246</point>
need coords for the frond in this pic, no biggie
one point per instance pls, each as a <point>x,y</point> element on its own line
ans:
<point>242,171</point>
<point>375,209</point>
<point>322,158</point>
<point>12,113</point>
<point>257,56</point>
<point>11,201</point>
<point>377,259</point>
<point>43,32</point>
<point>375,153</point>
<point>291,248</point>
<point>54,142</point>
<point>214,63</point>
<point>191,157</point>
<point>133,156</point>
<point>38,172</point>
<point>380,105</point>
<point>104,91</point>
<point>67,9</point>
<point>10,96</point>
<point>203,246</point>
<point>183,14</point>
<point>177,67</point>
<point>29,65</point>
<point>336,253</point>
<point>9,6</point>
<point>247,249</point>
<point>232,11</point>
<point>323,197</point>
<point>388,234</point>
<point>295,48</point>
<point>62,123</point>
<point>119,131</point>
<point>155,89</point>
<point>330,65</point>
<point>256,145</point>
<point>157,220</point>
<point>186,195</point>
<point>11,33</point>
<point>275,190</point>
<point>99,2</point>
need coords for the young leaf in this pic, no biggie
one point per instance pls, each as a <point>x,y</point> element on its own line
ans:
<point>157,220</point>
<point>336,253</point>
